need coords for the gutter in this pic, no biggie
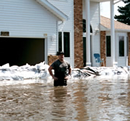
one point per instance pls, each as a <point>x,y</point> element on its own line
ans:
<point>53,9</point>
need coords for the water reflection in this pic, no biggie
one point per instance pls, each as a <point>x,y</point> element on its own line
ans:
<point>84,100</point>
<point>59,103</point>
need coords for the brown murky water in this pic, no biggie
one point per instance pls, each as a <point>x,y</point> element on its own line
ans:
<point>79,101</point>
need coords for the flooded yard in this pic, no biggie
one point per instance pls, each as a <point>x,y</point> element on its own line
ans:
<point>82,100</point>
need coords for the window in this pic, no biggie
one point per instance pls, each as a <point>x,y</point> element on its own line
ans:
<point>121,45</point>
<point>64,43</point>
<point>60,41</point>
<point>84,26</point>
<point>108,46</point>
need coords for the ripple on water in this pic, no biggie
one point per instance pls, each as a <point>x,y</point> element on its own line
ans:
<point>83,100</point>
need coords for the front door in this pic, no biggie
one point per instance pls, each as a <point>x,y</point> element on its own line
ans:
<point>122,50</point>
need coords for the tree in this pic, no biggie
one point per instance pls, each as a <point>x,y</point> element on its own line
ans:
<point>124,16</point>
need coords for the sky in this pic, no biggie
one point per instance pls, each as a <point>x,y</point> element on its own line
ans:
<point>105,8</point>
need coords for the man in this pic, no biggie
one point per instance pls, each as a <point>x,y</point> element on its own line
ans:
<point>62,70</point>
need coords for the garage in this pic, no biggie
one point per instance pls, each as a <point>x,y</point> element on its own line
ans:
<point>19,51</point>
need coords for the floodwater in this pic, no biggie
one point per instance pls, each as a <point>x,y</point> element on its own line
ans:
<point>81,100</point>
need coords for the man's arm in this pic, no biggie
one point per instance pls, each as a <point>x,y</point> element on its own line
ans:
<point>50,71</point>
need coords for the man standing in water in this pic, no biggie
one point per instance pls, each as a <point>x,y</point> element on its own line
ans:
<point>62,70</point>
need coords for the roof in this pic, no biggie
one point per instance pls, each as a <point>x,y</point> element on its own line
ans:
<point>53,9</point>
<point>106,24</point>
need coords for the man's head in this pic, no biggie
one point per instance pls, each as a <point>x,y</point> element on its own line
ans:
<point>60,54</point>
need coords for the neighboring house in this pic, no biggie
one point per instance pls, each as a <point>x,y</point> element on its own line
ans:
<point>122,32</point>
<point>31,30</point>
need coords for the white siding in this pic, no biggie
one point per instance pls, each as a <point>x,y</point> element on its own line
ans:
<point>27,18</point>
<point>67,8</point>
<point>94,15</point>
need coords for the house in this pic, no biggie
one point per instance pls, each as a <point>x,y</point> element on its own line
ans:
<point>31,30</point>
<point>122,41</point>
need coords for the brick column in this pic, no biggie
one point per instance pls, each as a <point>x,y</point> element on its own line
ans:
<point>128,48</point>
<point>78,34</point>
<point>103,47</point>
